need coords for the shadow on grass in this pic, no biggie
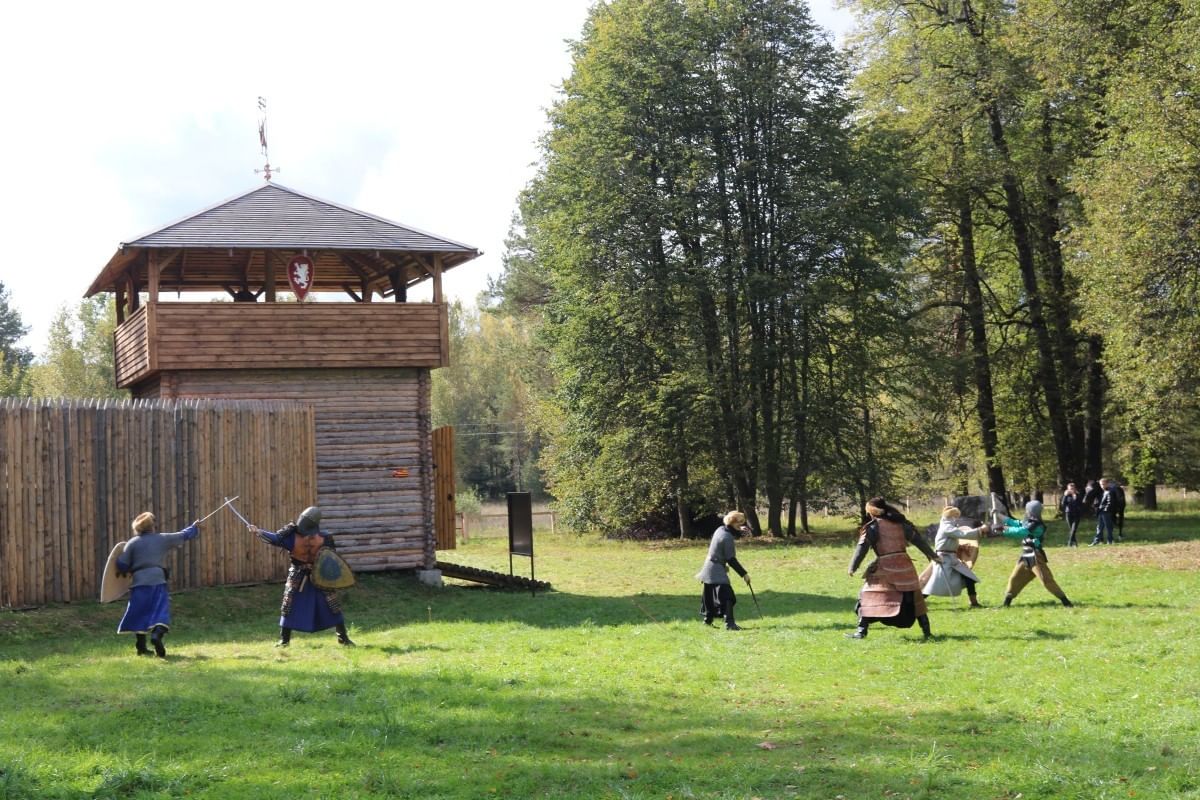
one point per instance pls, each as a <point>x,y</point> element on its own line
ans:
<point>433,733</point>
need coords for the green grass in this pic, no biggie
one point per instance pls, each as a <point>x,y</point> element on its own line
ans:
<point>609,686</point>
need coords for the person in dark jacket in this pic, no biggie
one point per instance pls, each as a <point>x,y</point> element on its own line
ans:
<point>1118,508</point>
<point>1091,496</point>
<point>891,591</point>
<point>717,599</point>
<point>149,608</point>
<point>1104,516</point>
<point>1072,510</point>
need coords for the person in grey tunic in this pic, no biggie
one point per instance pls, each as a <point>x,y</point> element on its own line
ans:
<point>718,598</point>
<point>149,609</point>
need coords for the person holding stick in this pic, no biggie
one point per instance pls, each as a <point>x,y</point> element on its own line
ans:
<point>1032,562</point>
<point>891,591</point>
<point>950,576</point>
<point>149,608</point>
<point>717,599</point>
<point>306,607</point>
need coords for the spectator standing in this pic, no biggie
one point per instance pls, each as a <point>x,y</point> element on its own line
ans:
<point>1118,508</point>
<point>1104,519</point>
<point>1072,509</point>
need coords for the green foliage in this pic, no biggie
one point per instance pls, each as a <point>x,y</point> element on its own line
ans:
<point>14,361</point>
<point>610,687</point>
<point>486,394</point>
<point>712,251</point>
<point>1139,254</point>
<point>78,361</point>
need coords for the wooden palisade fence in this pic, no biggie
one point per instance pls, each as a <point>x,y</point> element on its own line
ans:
<point>73,474</point>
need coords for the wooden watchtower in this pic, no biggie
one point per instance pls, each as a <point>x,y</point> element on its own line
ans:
<point>363,363</point>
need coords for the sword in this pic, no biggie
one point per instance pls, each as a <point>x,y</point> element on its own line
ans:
<point>238,515</point>
<point>218,508</point>
<point>755,597</point>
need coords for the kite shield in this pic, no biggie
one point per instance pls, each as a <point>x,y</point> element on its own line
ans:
<point>112,585</point>
<point>330,571</point>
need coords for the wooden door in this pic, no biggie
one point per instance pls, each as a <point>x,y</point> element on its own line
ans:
<point>443,487</point>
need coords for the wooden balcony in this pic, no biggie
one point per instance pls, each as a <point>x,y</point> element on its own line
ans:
<point>164,337</point>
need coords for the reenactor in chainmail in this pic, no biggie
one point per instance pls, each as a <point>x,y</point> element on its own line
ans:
<point>306,607</point>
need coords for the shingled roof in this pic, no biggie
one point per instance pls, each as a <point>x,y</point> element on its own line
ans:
<point>275,218</point>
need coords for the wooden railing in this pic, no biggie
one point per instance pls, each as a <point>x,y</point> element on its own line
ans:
<point>192,336</point>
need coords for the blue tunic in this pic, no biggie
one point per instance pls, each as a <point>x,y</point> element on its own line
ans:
<point>305,607</point>
<point>149,603</point>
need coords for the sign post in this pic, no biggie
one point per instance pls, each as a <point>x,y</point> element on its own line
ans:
<point>520,530</point>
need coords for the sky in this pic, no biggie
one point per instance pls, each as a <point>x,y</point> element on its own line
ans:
<point>120,118</point>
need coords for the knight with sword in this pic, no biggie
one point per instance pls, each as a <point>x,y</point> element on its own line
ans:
<point>148,612</point>
<point>306,606</point>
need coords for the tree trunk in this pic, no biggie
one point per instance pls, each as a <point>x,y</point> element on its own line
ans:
<point>1149,495</point>
<point>1047,374</point>
<point>1094,456</point>
<point>985,407</point>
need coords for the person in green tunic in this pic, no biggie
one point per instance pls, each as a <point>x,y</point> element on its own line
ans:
<point>1032,562</point>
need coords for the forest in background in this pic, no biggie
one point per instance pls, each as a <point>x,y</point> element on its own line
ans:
<point>757,271</point>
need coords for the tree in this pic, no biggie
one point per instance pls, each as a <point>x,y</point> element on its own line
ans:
<point>719,251</point>
<point>78,360</point>
<point>14,360</point>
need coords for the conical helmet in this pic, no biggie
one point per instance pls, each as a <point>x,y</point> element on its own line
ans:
<point>309,521</point>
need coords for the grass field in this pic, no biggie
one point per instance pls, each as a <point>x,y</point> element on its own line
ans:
<point>609,686</point>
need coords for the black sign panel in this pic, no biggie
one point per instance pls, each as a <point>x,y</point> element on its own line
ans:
<point>520,524</point>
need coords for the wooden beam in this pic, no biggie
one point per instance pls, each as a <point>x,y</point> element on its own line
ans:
<point>350,291</point>
<point>153,269</point>
<point>437,278</point>
<point>366,290</point>
<point>399,288</point>
<point>269,272</point>
<point>119,296</point>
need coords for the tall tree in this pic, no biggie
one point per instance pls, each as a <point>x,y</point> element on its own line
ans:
<point>719,257</point>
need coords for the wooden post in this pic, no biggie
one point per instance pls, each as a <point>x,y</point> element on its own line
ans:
<point>437,278</point>
<point>269,274</point>
<point>152,270</point>
<point>131,289</point>
<point>399,287</point>
<point>366,290</point>
<point>119,296</point>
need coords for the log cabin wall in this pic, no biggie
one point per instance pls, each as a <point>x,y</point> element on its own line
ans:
<point>373,452</point>
<point>253,336</point>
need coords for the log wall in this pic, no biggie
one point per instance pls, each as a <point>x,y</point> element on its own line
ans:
<point>374,451</point>
<point>194,336</point>
<point>74,474</point>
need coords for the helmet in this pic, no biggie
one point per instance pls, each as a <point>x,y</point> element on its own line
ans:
<point>309,521</point>
<point>1033,510</point>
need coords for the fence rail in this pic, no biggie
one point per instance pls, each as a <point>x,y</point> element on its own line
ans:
<point>73,474</point>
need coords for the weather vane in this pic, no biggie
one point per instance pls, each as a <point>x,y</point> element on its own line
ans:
<point>262,139</point>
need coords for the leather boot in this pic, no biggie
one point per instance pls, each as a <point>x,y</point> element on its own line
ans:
<point>142,650</point>
<point>343,637</point>
<point>1007,600</point>
<point>859,633</point>
<point>730,625</point>
<point>1066,602</point>
<point>285,637</point>
<point>156,639</point>
<point>923,621</point>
